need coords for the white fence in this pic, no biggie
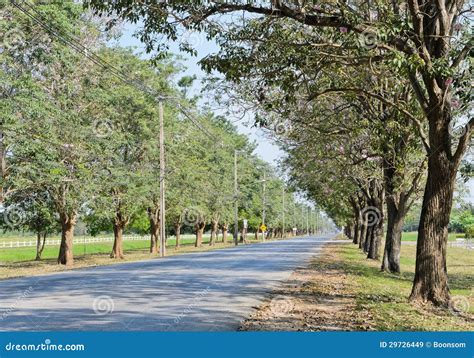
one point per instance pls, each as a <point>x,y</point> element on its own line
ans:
<point>57,242</point>
<point>466,243</point>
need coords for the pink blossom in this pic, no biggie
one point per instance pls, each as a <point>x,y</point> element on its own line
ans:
<point>448,81</point>
<point>343,29</point>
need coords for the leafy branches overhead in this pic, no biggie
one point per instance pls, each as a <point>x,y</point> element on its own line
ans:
<point>404,64</point>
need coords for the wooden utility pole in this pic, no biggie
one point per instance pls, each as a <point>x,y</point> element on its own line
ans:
<point>317,220</point>
<point>307,219</point>
<point>162,184</point>
<point>294,216</point>
<point>264,205</point>
<point>302,218</point>
<point>236,204</point>
<point>283,234</point>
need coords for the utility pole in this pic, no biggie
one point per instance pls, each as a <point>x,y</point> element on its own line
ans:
<point>236,208</point>
<point>264,204</point>
<point>283,234</point>
<point>307,220</point>
<point>294,216</point>
<point>317,219</point>
<point>302,217</point>
<point>162,184</point>
<point>314,220</point>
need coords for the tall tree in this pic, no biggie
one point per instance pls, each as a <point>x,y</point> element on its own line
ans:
<point>424,40</point>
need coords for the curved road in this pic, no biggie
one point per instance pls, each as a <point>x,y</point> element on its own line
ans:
<point>208,291</point>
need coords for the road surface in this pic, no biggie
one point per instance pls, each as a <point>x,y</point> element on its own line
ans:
<point>207,291</point>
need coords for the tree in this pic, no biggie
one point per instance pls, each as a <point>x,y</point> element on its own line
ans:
<point>424,40</point>
<point>123,139</point>
<point>50,147</point>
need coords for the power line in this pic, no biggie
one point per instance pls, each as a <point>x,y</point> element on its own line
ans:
<point>78,47</point>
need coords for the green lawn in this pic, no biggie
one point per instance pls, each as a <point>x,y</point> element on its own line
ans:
<point>383,296</point>
<point>412,236</point>
<point>8,236</point>
<point>51,252</point>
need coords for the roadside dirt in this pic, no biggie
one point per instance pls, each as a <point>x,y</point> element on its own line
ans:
<point>315,298</point>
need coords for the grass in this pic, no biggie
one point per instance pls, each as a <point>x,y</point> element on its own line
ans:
<point>413,235</point>
<point>51,252</point>
<point>382,297</point>
<point>28,236</point>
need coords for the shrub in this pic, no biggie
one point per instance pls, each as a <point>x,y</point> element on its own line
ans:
<point>469,231</point>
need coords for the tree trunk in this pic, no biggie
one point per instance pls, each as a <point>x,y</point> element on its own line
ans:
<point>154,217</point>
<point>355,238</point>
<point>68,223</point>
<point>214,227</point>
<point>431,278</point>
<point>177,232</point>
<point>154,236</point>
<point>393,240</point>
<point>356,226</point>
<point>346,231</point>
<point>199,233</point>
<point>362,235</point>
<point>269,234</point>
<point>117,250</point>
<point>376,241</point>
<point>225,229</point>
<point>40,245</point>
<point>368,237</point>
<point>373,218</point>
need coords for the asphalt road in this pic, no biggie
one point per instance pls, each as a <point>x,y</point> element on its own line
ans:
<point>208,291</point>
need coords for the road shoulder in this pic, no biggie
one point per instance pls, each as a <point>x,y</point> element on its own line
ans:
<point>342,290</point>
<point>318,297</point>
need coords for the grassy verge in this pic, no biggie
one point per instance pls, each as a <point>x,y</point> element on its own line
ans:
<point>80,249</point>
<point>28,236</point>
<point>413,235</point>
<point>382,297</point>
